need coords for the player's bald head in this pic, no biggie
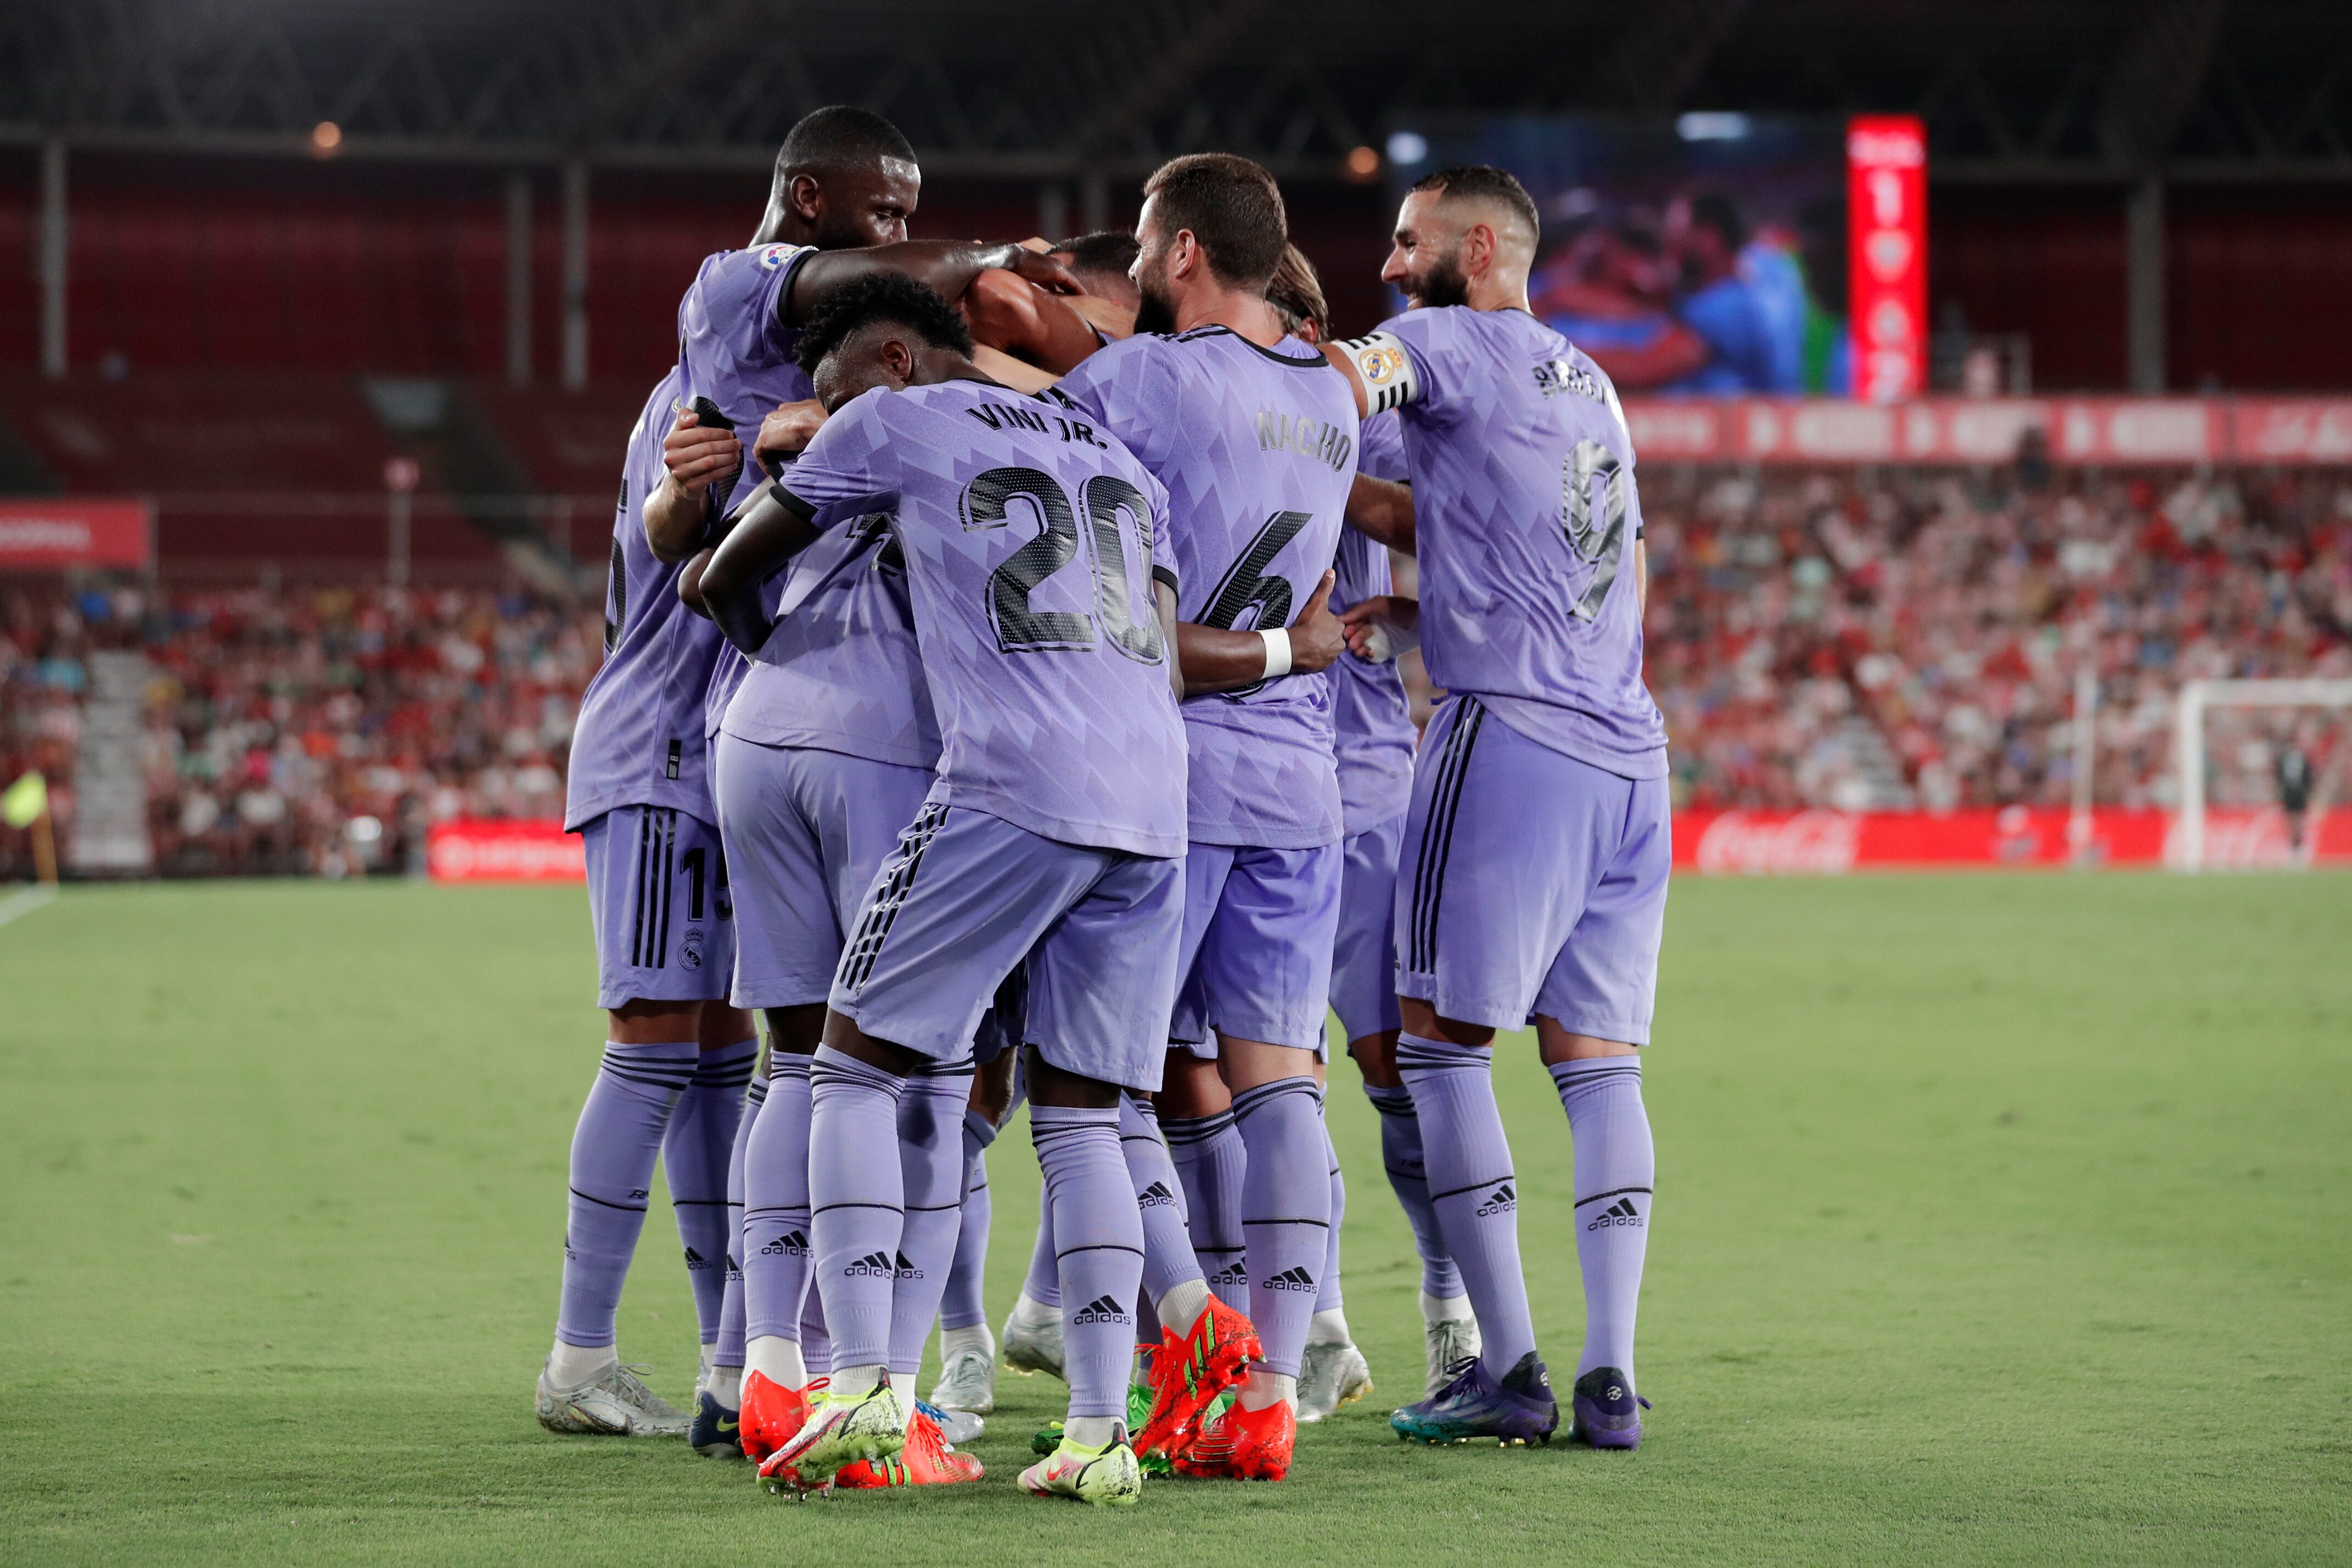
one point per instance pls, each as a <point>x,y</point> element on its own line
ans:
<point>837,139</point>
<point>1479,193</point>
<point>845,177</point>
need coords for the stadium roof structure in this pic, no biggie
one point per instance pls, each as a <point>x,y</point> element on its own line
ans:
<point>2013,90</point>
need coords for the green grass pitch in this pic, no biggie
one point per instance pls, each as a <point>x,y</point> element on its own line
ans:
<point>2001,1219</point>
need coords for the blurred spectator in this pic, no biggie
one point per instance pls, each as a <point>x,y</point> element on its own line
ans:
<point>1837,640</point>
<point>316,732</point>
<point>1816,639</point>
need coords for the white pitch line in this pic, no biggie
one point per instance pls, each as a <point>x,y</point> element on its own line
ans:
<point>26,900</point>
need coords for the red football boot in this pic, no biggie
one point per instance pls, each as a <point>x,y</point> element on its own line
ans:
<point>1242,1446</point>
<point>925,1462</point>
<point>772,1413</point>
<point>1188,1374</point>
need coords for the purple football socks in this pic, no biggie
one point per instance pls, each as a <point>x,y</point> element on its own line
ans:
<point>961,1307</point>
<point>696,1151</point>
<point>1099,1236</point>
<point>1401,1155</point>
<point>1473,1187</point>
<point>1044,1285</point>
<point>775,1240</point>
<point>1209,1154</point>
<point>729,1350</point>
<point>1168,1257</point>
<point>613,1148</point>
<point>856,1203</point>
<point>1326,1289</point>
<point>1615,1169</point>
<point>930,1155</point>
<point>1285,1212</point>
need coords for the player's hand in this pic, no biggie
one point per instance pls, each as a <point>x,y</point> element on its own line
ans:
<point>1050,272</point>
<point>787,432</point>
<point>696,456</point>
<point>1316,638</point>
<point>1368,624</point>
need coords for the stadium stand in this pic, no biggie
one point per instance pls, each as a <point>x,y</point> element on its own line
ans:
<point>1837,639</point>
<point>246,467</point>
<point>311,732</point>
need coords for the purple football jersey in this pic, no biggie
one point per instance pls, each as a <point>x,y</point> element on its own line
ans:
<point>1256,448</point>
<point>1371,721</point>
<point>639,740</point>
<point>1031,543</point>
<point>735,350</point>
<point>1525,515</point>
<point>842,673</point>
<point>1380,449</point>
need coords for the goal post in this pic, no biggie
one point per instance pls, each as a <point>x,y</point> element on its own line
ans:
<point>2188,733</point>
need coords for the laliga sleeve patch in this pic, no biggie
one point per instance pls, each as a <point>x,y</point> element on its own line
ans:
<point>773,257</point>
<point>1387,371</point>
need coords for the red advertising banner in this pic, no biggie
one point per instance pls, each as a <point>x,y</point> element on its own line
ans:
<point>476,849</point>
<point>51,534</point>
<point>1886,236</point>
<point>1733,843</point>
<point>1711,843</point>
<point>2294,432</point>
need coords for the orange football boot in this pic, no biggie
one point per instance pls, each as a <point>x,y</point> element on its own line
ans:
<point>925,1462</point>
<point>772,1413</point>
<point>1242,1446</point>
<point>1188,1374</point>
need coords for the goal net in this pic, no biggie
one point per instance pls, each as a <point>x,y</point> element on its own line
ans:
<point>2259,762</point>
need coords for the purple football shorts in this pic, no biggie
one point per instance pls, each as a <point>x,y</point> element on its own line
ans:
<point>1529,882</point>
<point>1255,955</point>
<point>1363,956</point>
<point>805,830</point>
<point>657,898</point>
<point>960,902</point>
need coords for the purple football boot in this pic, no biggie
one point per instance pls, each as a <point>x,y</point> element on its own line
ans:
<point>1518,1409</point>
<point>1608,1411</point>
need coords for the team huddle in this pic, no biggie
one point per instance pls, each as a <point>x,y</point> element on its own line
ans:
<point>999,699</point>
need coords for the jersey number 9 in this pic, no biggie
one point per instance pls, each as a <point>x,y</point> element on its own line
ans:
<point>1603,543</point>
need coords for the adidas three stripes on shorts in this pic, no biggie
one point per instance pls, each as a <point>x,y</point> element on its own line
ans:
<point>659,899</point>
<point>1529,882</point>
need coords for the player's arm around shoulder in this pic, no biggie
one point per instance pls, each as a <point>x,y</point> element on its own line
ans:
<point>1014,315</point>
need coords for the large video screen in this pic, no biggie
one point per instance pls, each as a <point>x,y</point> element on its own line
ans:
<point>1704,256</point>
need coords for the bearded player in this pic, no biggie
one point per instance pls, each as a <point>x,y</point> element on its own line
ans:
<point>1537,848</point>
<point>1256,444</point>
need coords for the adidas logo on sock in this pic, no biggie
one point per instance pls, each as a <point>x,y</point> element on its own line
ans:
<point>1290,1280</point>
<point>694,1260</point>
<point>1101,1310</point>
<point>734,1270</point>
<point>792,1244</point>
<point>1232,1276</point>
<point>1155,1195</point>
<point>871,1265</point>
<point>1502,1201</point>
<point>1622,1212</point>
<point>908,1271</point>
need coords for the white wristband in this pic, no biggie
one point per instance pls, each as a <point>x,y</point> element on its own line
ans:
<point>1277,652</point>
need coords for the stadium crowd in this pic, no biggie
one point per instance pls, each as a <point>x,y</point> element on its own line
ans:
<point>1822,639</point>
<point>309,731</point>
